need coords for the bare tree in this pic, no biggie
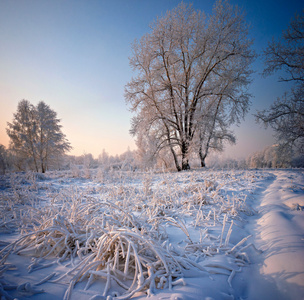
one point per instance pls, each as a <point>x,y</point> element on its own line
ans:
<point>286,114</point>
<point>35,134</point>
<point>212,135</point>
<point>186,66</point>
<point>288,52</point>
<point>222,110</point>
<point>286,117</point>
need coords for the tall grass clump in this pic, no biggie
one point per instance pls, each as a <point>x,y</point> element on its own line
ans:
<point>121,229</point>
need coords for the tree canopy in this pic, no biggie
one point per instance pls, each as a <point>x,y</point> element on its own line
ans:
<point>192,73</point>
<point>286,114</point>
<point>36,136</point>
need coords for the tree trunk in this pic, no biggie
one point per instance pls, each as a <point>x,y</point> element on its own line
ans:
<point>2,166</point>
<point>175,159</point>
<point>185,159</point>
<point>200,151</point>
<point>202,157</point>
<point>185,164</point>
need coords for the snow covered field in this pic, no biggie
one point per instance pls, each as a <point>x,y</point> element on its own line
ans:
<point>114,234</point>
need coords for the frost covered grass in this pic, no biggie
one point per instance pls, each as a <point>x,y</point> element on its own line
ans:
<point>129,233</point>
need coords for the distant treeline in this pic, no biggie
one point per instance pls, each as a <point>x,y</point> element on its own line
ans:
<point>271,157</point>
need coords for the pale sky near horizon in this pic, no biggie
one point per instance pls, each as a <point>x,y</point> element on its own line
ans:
<point>73,55</point>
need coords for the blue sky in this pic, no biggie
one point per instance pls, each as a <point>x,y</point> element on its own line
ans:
<point>74,56</point>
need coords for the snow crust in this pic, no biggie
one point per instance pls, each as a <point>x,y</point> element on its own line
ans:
<point>281,233</point>
<point>231,234</point>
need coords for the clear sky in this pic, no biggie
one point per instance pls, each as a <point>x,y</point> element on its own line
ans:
<point>73,55</point>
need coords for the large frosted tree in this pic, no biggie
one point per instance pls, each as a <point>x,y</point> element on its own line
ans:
<point>286,114</point>
<point>36,136</point>
<point>191,78</point>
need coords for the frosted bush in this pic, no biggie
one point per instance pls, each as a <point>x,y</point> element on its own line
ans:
<point>76,173</point>
<point>86,172</point>
<point>100,176</point>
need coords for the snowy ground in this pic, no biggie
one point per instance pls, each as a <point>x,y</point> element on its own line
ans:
<point>117,235</point>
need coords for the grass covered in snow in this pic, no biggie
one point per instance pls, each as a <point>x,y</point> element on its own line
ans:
<point>117,234</point>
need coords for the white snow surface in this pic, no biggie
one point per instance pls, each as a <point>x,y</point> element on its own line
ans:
<point>200,234</point>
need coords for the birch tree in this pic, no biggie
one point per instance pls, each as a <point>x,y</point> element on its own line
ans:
<point>35,134</point>
<point>189,66</point>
